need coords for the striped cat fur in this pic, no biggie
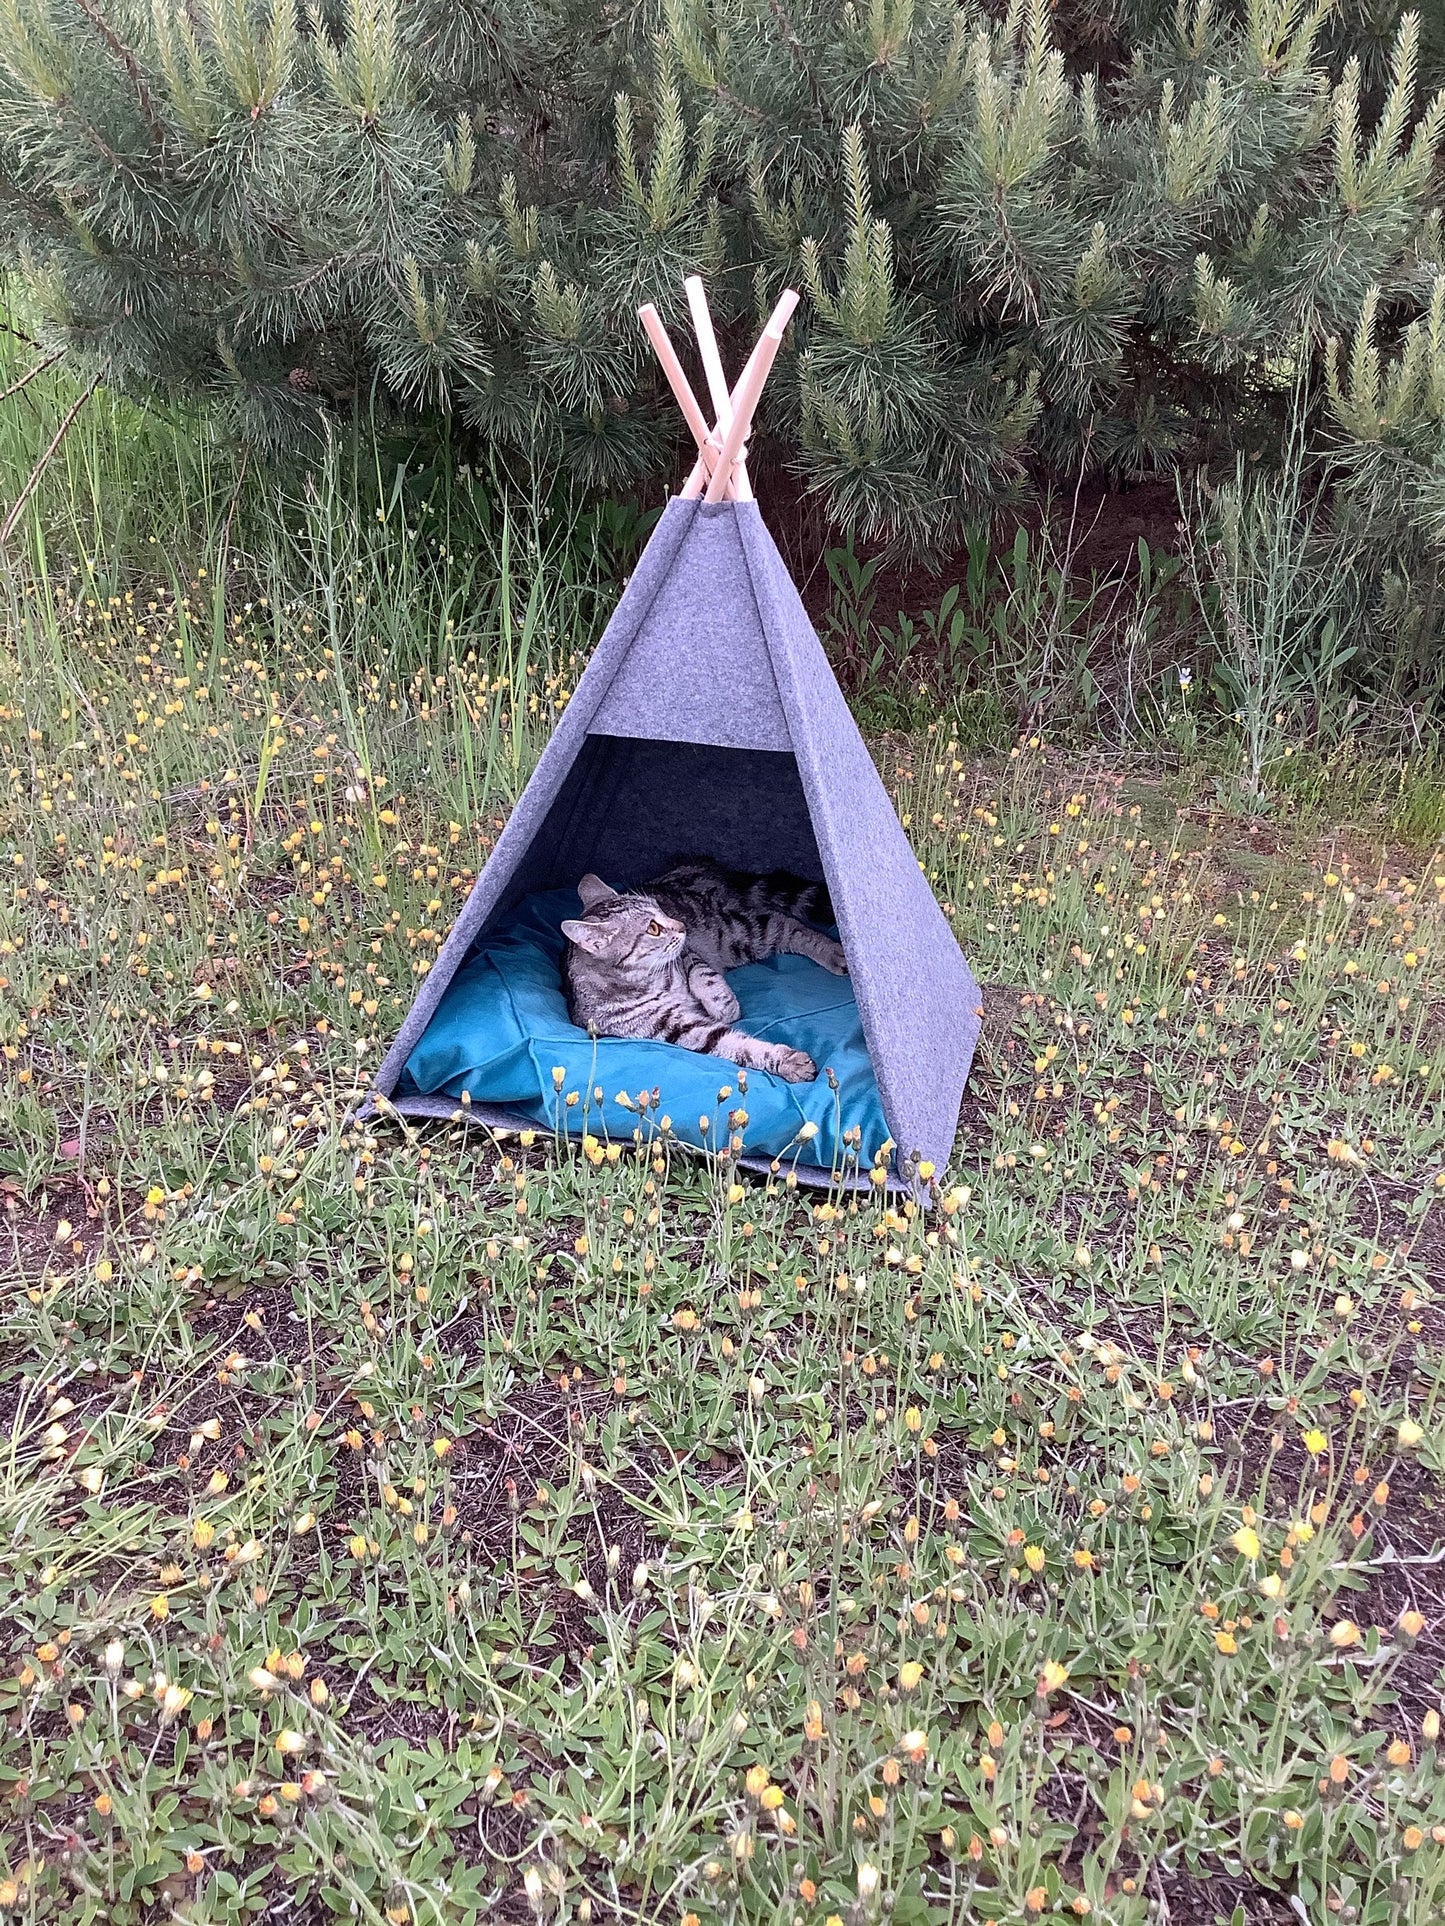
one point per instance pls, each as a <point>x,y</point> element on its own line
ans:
<point>650,962</point>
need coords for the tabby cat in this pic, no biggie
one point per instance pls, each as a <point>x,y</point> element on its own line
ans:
<point>649,962</point>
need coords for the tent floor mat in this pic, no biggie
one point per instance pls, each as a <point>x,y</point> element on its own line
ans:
<point>503,1035</point>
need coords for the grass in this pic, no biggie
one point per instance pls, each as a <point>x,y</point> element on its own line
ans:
<point>409,1526</point>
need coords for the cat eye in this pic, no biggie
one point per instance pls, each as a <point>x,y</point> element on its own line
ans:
<point>654,929</point>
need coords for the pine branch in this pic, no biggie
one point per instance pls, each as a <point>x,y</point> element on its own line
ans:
<point>798,55</point>
<point>155,126</point>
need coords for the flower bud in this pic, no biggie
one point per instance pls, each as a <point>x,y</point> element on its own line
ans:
<point>1408,1627</point>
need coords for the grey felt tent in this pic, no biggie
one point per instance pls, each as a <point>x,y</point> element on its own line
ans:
<point>708,721</point>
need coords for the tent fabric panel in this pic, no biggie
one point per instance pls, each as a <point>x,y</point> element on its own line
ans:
<point>556,759</point>
<point>706,617</point>
<point>918,999</point>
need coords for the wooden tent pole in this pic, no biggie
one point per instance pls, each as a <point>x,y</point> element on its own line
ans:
<point>712,367</point>
<point>707,439</point>
<point>717,385</point>
<point>753,376</point>
<point>698,480</point>
<point>745,396</point>
<point>677,379</point>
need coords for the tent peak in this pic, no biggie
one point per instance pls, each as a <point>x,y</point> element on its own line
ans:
<point>720,471</point>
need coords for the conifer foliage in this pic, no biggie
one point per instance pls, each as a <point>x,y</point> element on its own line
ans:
<point>1098,238</point>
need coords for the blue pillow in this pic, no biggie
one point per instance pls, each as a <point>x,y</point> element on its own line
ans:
<point>502,1027</point>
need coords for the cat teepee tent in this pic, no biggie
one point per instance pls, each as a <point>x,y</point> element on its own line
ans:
<point>708,722</point>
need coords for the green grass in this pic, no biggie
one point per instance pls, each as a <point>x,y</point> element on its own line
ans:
<point>417,1526</point>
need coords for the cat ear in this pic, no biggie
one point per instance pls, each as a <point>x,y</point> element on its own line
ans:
<point>592,890</point>
<point>587,936</point>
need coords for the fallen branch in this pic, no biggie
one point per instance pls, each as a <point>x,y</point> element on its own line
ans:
<point>26,379</point>
<point>33,479</point>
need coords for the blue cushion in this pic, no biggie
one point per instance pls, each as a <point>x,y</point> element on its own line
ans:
<point>502,1026</point>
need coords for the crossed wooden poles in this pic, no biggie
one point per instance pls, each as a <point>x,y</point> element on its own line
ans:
<point>720,472</point>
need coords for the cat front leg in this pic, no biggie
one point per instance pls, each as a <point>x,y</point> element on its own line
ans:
<point>793,937</point>
<point>710,988</point>
<point>793,1066</point>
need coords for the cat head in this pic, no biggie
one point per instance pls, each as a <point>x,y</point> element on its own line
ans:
<point>623,929</point>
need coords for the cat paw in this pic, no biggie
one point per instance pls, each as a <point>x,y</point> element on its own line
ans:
<point>833,959</point>
<point>794,1066</point>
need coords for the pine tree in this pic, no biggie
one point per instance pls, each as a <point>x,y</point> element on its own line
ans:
<point>1389,414</point>
<point>1036,244</point>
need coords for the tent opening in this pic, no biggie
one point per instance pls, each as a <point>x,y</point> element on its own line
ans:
<point>501,1034</point>
<point>629,805</point>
